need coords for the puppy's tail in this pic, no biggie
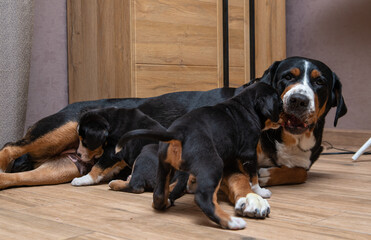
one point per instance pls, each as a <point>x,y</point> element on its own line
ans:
<point>144,133</point>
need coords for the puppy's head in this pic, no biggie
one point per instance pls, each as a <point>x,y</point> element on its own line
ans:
<point>268,104</point>
<point>308,89</point>
<point>93,131</point>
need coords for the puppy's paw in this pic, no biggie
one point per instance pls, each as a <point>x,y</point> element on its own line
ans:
<point>253,206</point>
<point>83,181</point>
<point>117,185</point>
<point>264,176</point>
<point>162,206</point>
<point>263,192</point>
<point>236,223</point>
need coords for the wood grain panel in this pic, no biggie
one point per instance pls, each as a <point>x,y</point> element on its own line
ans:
<point>236,76</point>
<point>153,80</point>
<point>82,53</point>
<point>239,42</point>
<point>236,23</point>
<point>97,37</point>
<point>176,32</point>
<point>270,33</point>
<point>110,41</point>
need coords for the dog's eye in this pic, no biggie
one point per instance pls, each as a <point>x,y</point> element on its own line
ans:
<point>320,81</point>
<point>288,76</point>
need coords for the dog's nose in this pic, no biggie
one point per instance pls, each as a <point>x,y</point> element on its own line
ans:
<point>78,154</point>
<point>298,101</point>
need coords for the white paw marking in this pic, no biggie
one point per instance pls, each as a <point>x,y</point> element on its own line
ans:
<point>83,181</point>
<point>264,172</point>
<point>236,223</point>
<point>253,206</point>
<point>264,176</point>
<point>263,192</point>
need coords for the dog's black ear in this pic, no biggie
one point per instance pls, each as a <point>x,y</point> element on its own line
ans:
<point>100,126</point>
<point>269,74</point>
<point>270,107</point>
<point>337,99</point>
<point>94,126</point>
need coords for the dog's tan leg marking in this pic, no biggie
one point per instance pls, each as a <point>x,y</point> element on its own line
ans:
<point>235,186</point>
<point>45,147</point>
<point>58,170</point>
<point>226,221</point>
<point>172,186</point>
<point>174,153</point>
<point>282,175</point>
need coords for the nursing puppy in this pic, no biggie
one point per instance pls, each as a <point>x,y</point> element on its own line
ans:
<point>99,132</point>
<point>143,175</point>
<point>209,139</point>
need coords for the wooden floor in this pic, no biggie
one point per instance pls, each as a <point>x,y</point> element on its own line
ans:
<point>335,203</point>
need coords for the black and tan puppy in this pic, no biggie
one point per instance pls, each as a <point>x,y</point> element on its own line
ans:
<point>99,132</point>
<point>143,175</point>
<point>210,139</point>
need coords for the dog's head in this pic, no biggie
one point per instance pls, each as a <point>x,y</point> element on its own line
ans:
<point>93,131</point>
<point>308,89</point>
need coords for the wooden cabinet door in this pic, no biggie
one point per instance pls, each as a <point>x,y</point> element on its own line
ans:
<point>176,46</point>
<point>142,48</point>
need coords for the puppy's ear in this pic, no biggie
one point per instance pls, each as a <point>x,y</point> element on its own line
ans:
<point>337,99</point>
<point>270,107</point>
<point>269,74</point>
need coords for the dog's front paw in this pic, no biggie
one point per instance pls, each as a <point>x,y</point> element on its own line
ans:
<point>253,206</point>
<point>264,176</point>
<point>83,181</point>
<point>263,192</point>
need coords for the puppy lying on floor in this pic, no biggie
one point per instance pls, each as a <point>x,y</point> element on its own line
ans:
<point>208,140</point>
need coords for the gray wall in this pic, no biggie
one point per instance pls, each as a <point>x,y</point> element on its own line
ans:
<point>339,34</point>
<point>48,74</point>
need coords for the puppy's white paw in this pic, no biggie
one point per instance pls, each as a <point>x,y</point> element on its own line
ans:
<point>263,192</point>
<point>253,206</point>
<point>236,223</point>
<point>83,181</point>
<point>264,176</point>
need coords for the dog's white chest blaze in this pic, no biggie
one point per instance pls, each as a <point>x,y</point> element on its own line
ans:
<point>296,155</point>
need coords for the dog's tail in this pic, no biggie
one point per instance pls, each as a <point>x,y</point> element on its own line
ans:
<point>144,133</point>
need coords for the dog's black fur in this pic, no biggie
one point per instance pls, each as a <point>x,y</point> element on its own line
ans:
<point>209,139</point>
